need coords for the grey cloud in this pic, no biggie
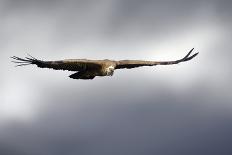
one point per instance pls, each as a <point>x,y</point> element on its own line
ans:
<point>149,125</point>
<point>178,110</point>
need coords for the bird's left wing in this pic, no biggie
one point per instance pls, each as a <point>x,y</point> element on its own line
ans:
<point>67,64</point>
<point>139,63</point>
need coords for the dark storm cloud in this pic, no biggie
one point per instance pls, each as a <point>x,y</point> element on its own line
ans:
<point>144,111</point>
<point>149,125</point>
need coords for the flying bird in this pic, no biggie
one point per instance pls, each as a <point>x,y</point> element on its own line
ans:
<point>89,69</point>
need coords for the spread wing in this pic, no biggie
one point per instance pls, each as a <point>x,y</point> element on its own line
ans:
<point>68,64</point>
<point>138,63</point>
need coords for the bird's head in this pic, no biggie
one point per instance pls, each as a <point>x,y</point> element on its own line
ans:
<point>110,71</point>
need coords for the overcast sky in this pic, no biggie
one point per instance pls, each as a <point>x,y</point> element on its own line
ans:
<point>179,109</point>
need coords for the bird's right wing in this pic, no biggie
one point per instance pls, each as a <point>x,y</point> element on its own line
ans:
<point>68,64</point>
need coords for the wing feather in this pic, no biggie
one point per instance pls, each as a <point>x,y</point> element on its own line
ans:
<point>68,64</point>
<point>139,63</point>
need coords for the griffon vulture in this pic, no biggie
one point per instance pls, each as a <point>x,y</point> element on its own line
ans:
<point>88,69</point>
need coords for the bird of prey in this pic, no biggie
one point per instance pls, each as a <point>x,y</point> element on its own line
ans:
<point>89,69</point>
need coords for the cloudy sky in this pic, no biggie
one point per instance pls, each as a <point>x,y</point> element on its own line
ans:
<point>179,109</point>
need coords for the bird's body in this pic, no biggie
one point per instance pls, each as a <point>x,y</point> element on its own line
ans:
<point>88,69</point>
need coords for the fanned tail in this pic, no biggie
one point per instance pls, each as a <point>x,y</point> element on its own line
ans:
<point>26,61</point>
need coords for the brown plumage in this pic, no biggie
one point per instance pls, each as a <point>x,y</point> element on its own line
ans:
<point>88,69</point>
